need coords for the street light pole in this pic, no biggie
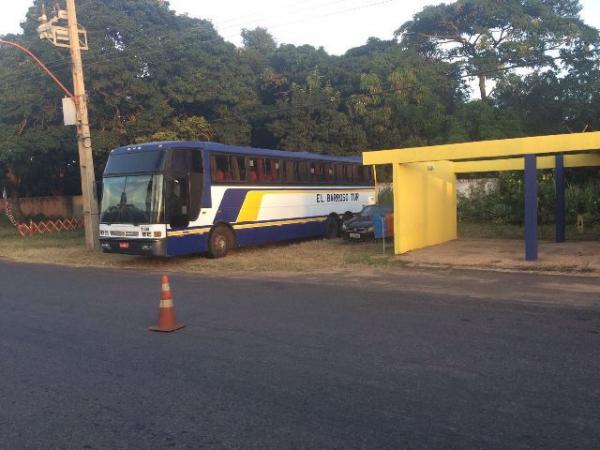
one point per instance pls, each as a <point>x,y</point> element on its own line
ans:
<point>84,141</point>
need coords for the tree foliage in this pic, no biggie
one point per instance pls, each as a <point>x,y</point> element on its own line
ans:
<point>154,75</point>
<point>488,36</point>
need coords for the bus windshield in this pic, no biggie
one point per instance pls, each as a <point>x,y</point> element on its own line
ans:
<point>135,199</point>
<point>135,162</point>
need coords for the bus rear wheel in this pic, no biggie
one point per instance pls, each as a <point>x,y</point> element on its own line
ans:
<point>220,241</point>
<point>333,227</point>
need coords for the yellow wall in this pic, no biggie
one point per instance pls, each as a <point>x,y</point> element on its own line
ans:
<point>424,205</point>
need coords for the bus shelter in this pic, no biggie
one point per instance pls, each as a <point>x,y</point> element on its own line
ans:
<point>424,182</point>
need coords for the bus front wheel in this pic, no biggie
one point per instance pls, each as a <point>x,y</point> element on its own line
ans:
<point>220,241</point>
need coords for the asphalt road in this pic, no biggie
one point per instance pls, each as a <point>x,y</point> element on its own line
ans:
<point>278,364</point>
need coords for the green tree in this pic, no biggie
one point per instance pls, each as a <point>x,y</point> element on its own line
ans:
<point>405,99</point>
<point>488,37</point>
<point>310,120</point>
<point>183,129</point>
<point>259,40</point>
<point>479,121</point>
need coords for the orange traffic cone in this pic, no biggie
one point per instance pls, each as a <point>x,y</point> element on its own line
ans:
<point>166,311</point>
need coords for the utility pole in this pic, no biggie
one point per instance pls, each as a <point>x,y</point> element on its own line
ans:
<point>75,38</point>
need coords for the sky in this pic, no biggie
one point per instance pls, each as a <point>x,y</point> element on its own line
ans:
<point>336,25</point>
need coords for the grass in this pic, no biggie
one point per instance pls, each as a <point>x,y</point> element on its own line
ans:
<point>67,248</point>
<point>317,256</point>
<point>469,230</point>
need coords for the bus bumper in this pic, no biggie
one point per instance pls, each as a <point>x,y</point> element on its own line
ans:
<point>145,247</point>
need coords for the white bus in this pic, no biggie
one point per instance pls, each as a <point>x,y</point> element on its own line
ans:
<point>180,198</point>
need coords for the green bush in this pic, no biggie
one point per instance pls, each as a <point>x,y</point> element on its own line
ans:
<point>386,197</point>
<point>504,204</point>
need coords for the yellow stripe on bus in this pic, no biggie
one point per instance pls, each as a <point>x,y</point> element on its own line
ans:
<point>270,223</point>
<point>277,223</point>
<point>251,206</point>
<point>180,233</point>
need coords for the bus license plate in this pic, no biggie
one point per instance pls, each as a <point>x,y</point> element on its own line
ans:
<point>354,235</point>
<point>124,245</point>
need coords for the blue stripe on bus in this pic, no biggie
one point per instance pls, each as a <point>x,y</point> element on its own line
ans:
<point>230,206</point>
<point>198,243</point>
<point>180,232</point>
<point>268,234</point>
<point>187,245</point>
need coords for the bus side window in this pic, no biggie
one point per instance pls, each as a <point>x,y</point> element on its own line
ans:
<point>220,168</point>
<point>298,172</point>
<point>303,172</point>
<point>260,169</point>
<point>181,160</point>
<point>339,173</point>
<point>321,173</point>
<point>367,174</point>
<point>196,161</point>
<point>314,172</point>
<point>361,175</point>
<point>272,170</point>
<point>355,171</point>
<point>252,174</point>
<point>177,202</point>
<point>238,168</point>
<point>347,173</point>
<point>289,171</point>
<point>328,173</point>
<point>196,184</point>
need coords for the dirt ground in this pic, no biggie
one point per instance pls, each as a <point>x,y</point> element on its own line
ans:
<point>316,256</point>
<point>581,257</point>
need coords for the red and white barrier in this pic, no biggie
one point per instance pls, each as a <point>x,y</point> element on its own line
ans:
<point>49,226</point>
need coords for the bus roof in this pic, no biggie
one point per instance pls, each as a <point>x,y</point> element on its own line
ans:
<point>223,148</point>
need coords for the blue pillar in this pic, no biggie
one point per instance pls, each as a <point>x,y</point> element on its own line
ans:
<point>531,204</point>
<point>559,180</point>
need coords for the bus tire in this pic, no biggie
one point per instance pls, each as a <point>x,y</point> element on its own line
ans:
<point>333,227</point>
<point>220,241</point>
